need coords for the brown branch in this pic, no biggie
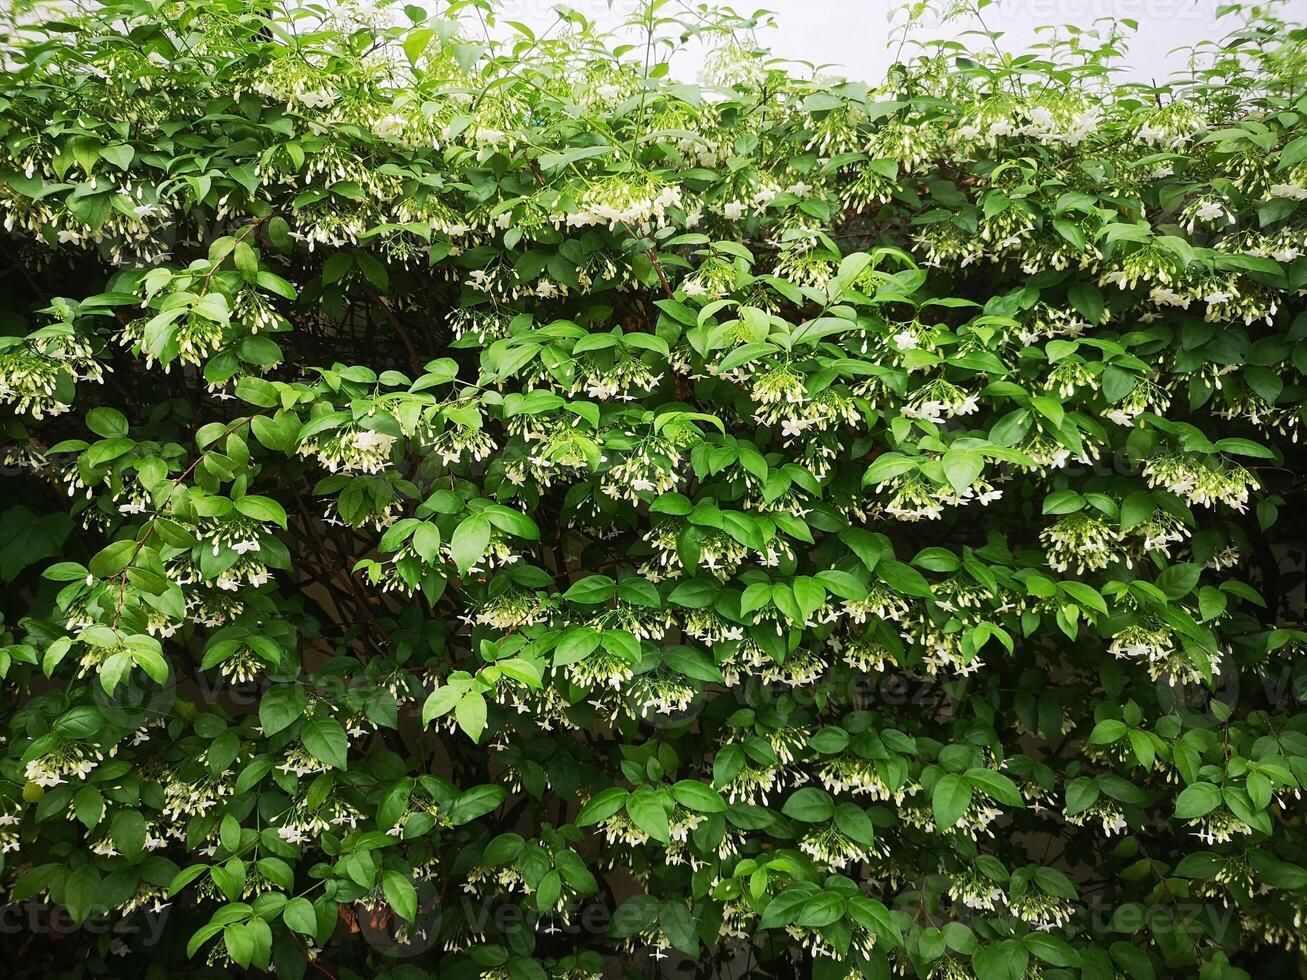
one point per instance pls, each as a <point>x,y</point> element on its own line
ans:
<point>311,960</point>
<point>414,360</point>
<point>662,276</point>
<point>347,563</point>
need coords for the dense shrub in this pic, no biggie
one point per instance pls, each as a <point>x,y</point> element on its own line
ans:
<point>489,509</point>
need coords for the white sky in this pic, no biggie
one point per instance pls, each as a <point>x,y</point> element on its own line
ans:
<point>855,35</point>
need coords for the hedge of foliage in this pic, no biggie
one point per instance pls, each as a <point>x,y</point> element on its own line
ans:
<point>486,508</point>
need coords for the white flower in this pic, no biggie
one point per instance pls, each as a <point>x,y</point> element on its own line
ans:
<point>1210,211</point>
<point>1002,127</point>
<point>369,439</point>
<point>1120,417</point>
<point>794,427</point>
<point>906,341</point>
<point>1151,134</point>
<point>1168,297</point>
<point>1291,191</point>
<point>319,99</point>
<point>292,835</point>
<point>930,411</point>
<point>388,126</point>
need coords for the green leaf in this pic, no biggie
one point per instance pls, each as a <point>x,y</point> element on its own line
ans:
<point>326,741</point>
<point>239,943</point>
<point>470,714</point>
<point>88,805</point>
<point>694,593</point>
<point>902,578</point>
<point>1107,731</point>
<point>870,548</point>
<point>1005,961</point>
<point>476,802</point>
<point>601,806</point>
<point>1244,447</point>
<point>694,795</point>
<point>1197,800</point>
<point>949,800</point>
<point>995,785</point>
<point>962,467</point>
<point>441,701</point>
<point>886,467</point>
<point>575,645</point>
<point>692,663</point>
<point>1063,502</point>
<point>649,812</point>
<point>107,422</point>
<point>80,892</point>
<point>823,909</point>
<point>1051,949</point>
<point>512,522</point>
<point>549,891</point>
<point>281,707</point>
<point>1178,581</point>
<point>555,161</point>
<point>400,894</point>
<point>1087,301</point>
<point>469,541</point>
<point>119,154</point>
<point>262,509</point>
<point>300,916</point>
<point>591,590</point>
<point>113,559</point>
<point>128,830</point>
<point>810,804</point>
